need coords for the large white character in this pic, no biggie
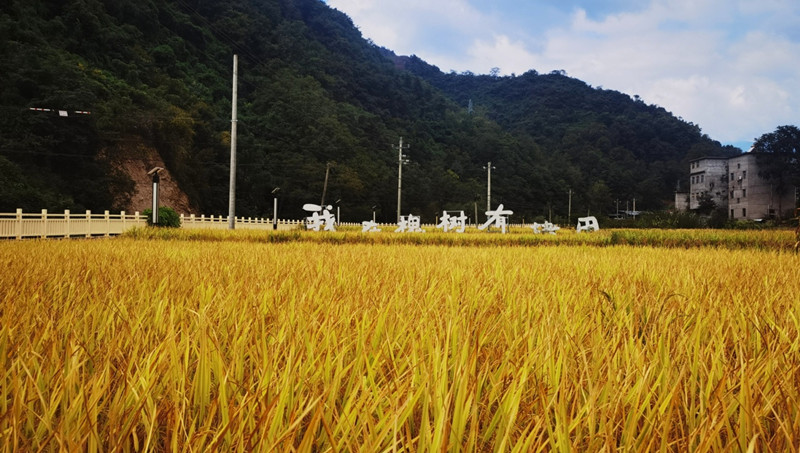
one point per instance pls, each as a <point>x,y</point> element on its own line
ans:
<point>448,222</point>
<point>545,227</point>
<point>317,220</point>
<point>498,217</point>
<point>368,226</point>
<point>410,224</point>
<point>588,224</point>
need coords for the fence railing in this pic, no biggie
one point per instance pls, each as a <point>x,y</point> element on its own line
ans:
<point>249,223</point>
<point>44,224</point>
<point>67,224</point>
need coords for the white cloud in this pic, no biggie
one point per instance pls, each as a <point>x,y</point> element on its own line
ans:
<point>407,27</point>
<point>730,67</point>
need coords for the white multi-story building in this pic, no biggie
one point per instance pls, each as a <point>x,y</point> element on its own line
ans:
<point>735,184</point>
<point>708,177</point>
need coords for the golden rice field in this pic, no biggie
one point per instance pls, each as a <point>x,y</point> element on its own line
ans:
<point>237,342</point>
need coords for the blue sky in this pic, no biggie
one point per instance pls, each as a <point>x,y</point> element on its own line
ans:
<point>730,66</point>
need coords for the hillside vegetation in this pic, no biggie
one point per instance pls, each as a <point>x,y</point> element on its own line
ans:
<point>156,76</point>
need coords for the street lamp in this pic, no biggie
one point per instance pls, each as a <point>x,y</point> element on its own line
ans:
<point>275,208</point>
<point>156,179</point>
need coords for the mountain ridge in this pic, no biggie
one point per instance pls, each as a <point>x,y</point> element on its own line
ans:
<point>312,92</point>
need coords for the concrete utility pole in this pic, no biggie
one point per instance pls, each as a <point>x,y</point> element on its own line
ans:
<point>232,184</point>
<point>569,208</point>
<point>401,159</point>
<point>325,185</point>
<point>476,208</point>
<point>488,168</point>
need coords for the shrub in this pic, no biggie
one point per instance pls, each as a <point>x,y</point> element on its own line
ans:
<point>167,217</point>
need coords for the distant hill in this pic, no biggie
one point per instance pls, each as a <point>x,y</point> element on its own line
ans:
<point>156,77</point>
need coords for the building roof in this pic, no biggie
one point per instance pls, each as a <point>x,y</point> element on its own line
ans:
<point>712,158</point>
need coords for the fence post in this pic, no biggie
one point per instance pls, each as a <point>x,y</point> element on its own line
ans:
<point>18,226</point>
<point>66,221</point>
<point>108,224</point>
<point>122,216</point>
<point>44,223</point>
<point>136,217</point>
<point>88,223</point>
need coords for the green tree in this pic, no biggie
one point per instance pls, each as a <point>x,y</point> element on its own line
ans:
<point>778,156</point>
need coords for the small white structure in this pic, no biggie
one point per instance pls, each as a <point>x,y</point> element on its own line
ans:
<point>546,227</point>
<point>448,222</point>
<point>498,217</point>
<point>321,216</point>
<point>368,226</point>
<point>588,224</point>
<point>409,224</point>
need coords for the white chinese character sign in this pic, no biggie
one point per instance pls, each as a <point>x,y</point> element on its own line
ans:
<point>588,224</point>
<point>409,224</point>
<point>368,226</point>
<point>497,217</point>
<point>546,227</point>
<point>452,223</point>
<point>321,217</point>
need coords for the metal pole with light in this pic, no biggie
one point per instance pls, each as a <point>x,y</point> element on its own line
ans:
<point>275,208</point>
<point>156,180</point>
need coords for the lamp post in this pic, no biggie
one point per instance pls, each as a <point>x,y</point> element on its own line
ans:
<point>156,180</point>
<point>275,208</point>
<point>373,213</point>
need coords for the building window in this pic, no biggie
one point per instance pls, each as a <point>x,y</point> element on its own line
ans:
<point>731,194</point>
<point>744,174</point>
<point>744,193</point>
<point>744,212</point>
<point>739,165</point>
<point>738,200</point>
<point>731,213</point>
<point>731,176</point>
<point>702,178</point>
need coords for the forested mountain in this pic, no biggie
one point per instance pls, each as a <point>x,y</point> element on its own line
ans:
<point>156,77</point>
